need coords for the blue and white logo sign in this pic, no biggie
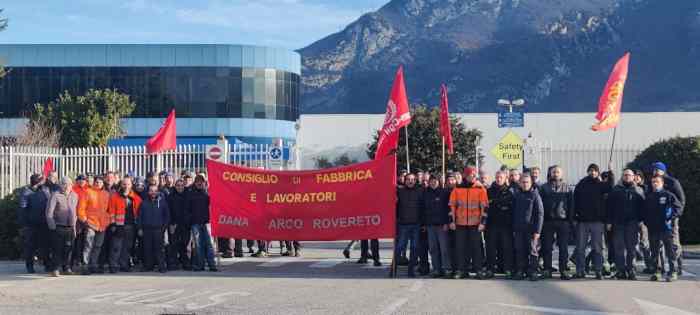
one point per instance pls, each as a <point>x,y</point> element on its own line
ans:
<point>275,153</point>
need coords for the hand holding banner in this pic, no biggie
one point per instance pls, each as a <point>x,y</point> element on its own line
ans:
<point>352,202</point>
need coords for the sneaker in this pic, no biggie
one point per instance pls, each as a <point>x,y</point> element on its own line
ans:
<point>297,253</point>
<point>67,272</point>
<point>580,275</point>
<point>238,255</point>
<point>620,275</point>
<point>655,277</point>
<point>86,272</point>
<point>213,269</point>
<point>598,275</point>
<point>54,273</point>
<point>251,251</point>
<point>489,274</point>
<point>509,275</point>
<point>436,275</point>
<point>565,276</point>
<point>285,254</point>
<point>547,274</point>
<point>227,255</point>
<point>362,261</point>
<point>631,276</point>
<point>671,277</point>
<point>459,275</point>
<point>518,276</point>
<point>346,253</point>
<point>533,277</point>
<point>113,270</point>
<point>259,254</point>
<point>377,263</point>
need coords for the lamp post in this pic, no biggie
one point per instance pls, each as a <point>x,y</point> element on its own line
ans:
<point>511,103</point>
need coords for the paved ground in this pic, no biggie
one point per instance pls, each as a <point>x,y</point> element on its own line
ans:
<point>322,282</point>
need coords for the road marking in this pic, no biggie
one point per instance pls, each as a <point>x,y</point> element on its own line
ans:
<point>149,297</point>
<point>393,307</point>
<point>416,286</point>
<point>653,308</point>
<point>327,263</point>
<point>558,311</point>
<point>277,262</point>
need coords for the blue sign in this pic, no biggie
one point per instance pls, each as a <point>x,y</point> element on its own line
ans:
<point>276,153</point>
<point>511,119</point>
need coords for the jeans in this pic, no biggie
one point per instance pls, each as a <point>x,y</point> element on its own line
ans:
<point>439,247</point>
<point>626,237</point>
<point>595,231</point>
<point>93,246</point>
<point>204,249</point>
<point>183,234</point>
<point>36,238</point>
<point>468,248</point>
<point>62,239</point>
<point>153,240</point>
<point>122,247</point>
<point>408,233</point>
<point>526,251</point>
<point>665,239</point>
<point>562,230</point>
<point>499,240</point>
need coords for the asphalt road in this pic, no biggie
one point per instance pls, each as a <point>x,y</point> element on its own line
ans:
<point>322,282</point>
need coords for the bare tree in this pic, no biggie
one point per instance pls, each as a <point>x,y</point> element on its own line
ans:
<point>39,133</point>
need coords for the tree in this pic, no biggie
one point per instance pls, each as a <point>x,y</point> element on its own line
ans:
<point>425,143</point>
<point>682,158</point>
<point>342,160</point>
<point>82,121</point>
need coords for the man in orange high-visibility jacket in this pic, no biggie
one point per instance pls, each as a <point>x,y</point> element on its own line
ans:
<point>93,214</point>
<point>81,190</point>
<point>468,203</point>
<point>124,209</point>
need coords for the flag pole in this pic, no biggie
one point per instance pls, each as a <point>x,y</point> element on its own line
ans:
<point>408,159</point>
<point>612,146</point>
<point>443,160</point>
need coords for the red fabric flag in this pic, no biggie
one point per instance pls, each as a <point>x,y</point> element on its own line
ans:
<point>166,137</point>
<point>48,167</point>
<point>397,116</point>
<point>445,129</point>
<point>610,102</point>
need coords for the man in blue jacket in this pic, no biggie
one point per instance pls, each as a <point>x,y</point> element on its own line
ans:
<point>674,186</point>
<point>153,219</point>
<point>436,219</point>
<point>661,210</point>
<point>31,216</point>
<point>624,210</point>
<point>528,218</point>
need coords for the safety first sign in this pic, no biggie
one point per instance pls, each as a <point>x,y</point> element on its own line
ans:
<point>509,151</point>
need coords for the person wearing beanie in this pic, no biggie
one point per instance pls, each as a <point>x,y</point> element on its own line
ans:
<point>435,222</point>
<point>468,203</point>
<point>589,213</point>
<point>672,185</point>
<point>33,200</point>
<point>499,226</point>
<point>528,219</point>
<point>661,210</point>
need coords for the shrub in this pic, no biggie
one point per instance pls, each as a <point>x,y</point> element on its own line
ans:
<point>10,240</point>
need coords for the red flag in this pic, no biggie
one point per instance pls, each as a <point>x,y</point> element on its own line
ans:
<point>48,167</point>
<point>610,102</point>
<point>166,138</point>
<point>397,116</point>
<point>445,129</point>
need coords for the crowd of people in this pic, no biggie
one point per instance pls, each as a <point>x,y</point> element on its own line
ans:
<point>470,226</point>
<point>461,225</point>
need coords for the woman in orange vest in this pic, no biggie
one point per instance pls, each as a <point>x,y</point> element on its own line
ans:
<point>92,213</point>
<point>124,210</point>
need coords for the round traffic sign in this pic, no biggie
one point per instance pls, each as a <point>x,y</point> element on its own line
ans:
<point>215,153</point>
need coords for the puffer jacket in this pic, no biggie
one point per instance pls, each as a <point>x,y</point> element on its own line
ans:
<point>93,210</point>
<point>436,207</point>
<point>33,206</point>
<point>198,204</point>
<point>153,213</point>
<point>528,213</point>
<point>409,205</point>
<point>179,212</point>
<point>625,204</point>
<point>589,198</point>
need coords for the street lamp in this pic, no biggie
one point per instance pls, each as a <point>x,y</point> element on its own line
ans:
<point>511,103</point>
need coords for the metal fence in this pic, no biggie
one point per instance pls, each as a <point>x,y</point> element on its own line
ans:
<point>574,159</point>
<point>18,163</point>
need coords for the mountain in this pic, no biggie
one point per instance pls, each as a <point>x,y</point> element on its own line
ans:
<point>556,54</point>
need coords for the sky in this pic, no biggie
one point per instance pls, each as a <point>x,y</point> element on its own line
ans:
<point>291,24</point>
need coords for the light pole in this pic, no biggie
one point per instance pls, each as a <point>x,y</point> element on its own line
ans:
<point>511,103</point>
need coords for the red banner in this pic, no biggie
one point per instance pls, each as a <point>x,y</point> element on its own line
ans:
<point>345,203</point>
<point>610,103</point>
<point>445,129</point>
<point>397,116</point>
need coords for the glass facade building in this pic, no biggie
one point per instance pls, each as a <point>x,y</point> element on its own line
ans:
<point>229,87</point>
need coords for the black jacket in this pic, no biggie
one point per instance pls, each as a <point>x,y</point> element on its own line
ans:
<point>674,186</point>
<point>589,199</point>
<point>153,213</point>
<point>660,210</point>
<point>408,205</point>
<point>33,206</point>
<point>436,207</point>
<point>528,213</point>
<point>500,210</point>
<point>198,204</point>
<point>558,201</point>
<point>179,212</point>
<point>625,204</point>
